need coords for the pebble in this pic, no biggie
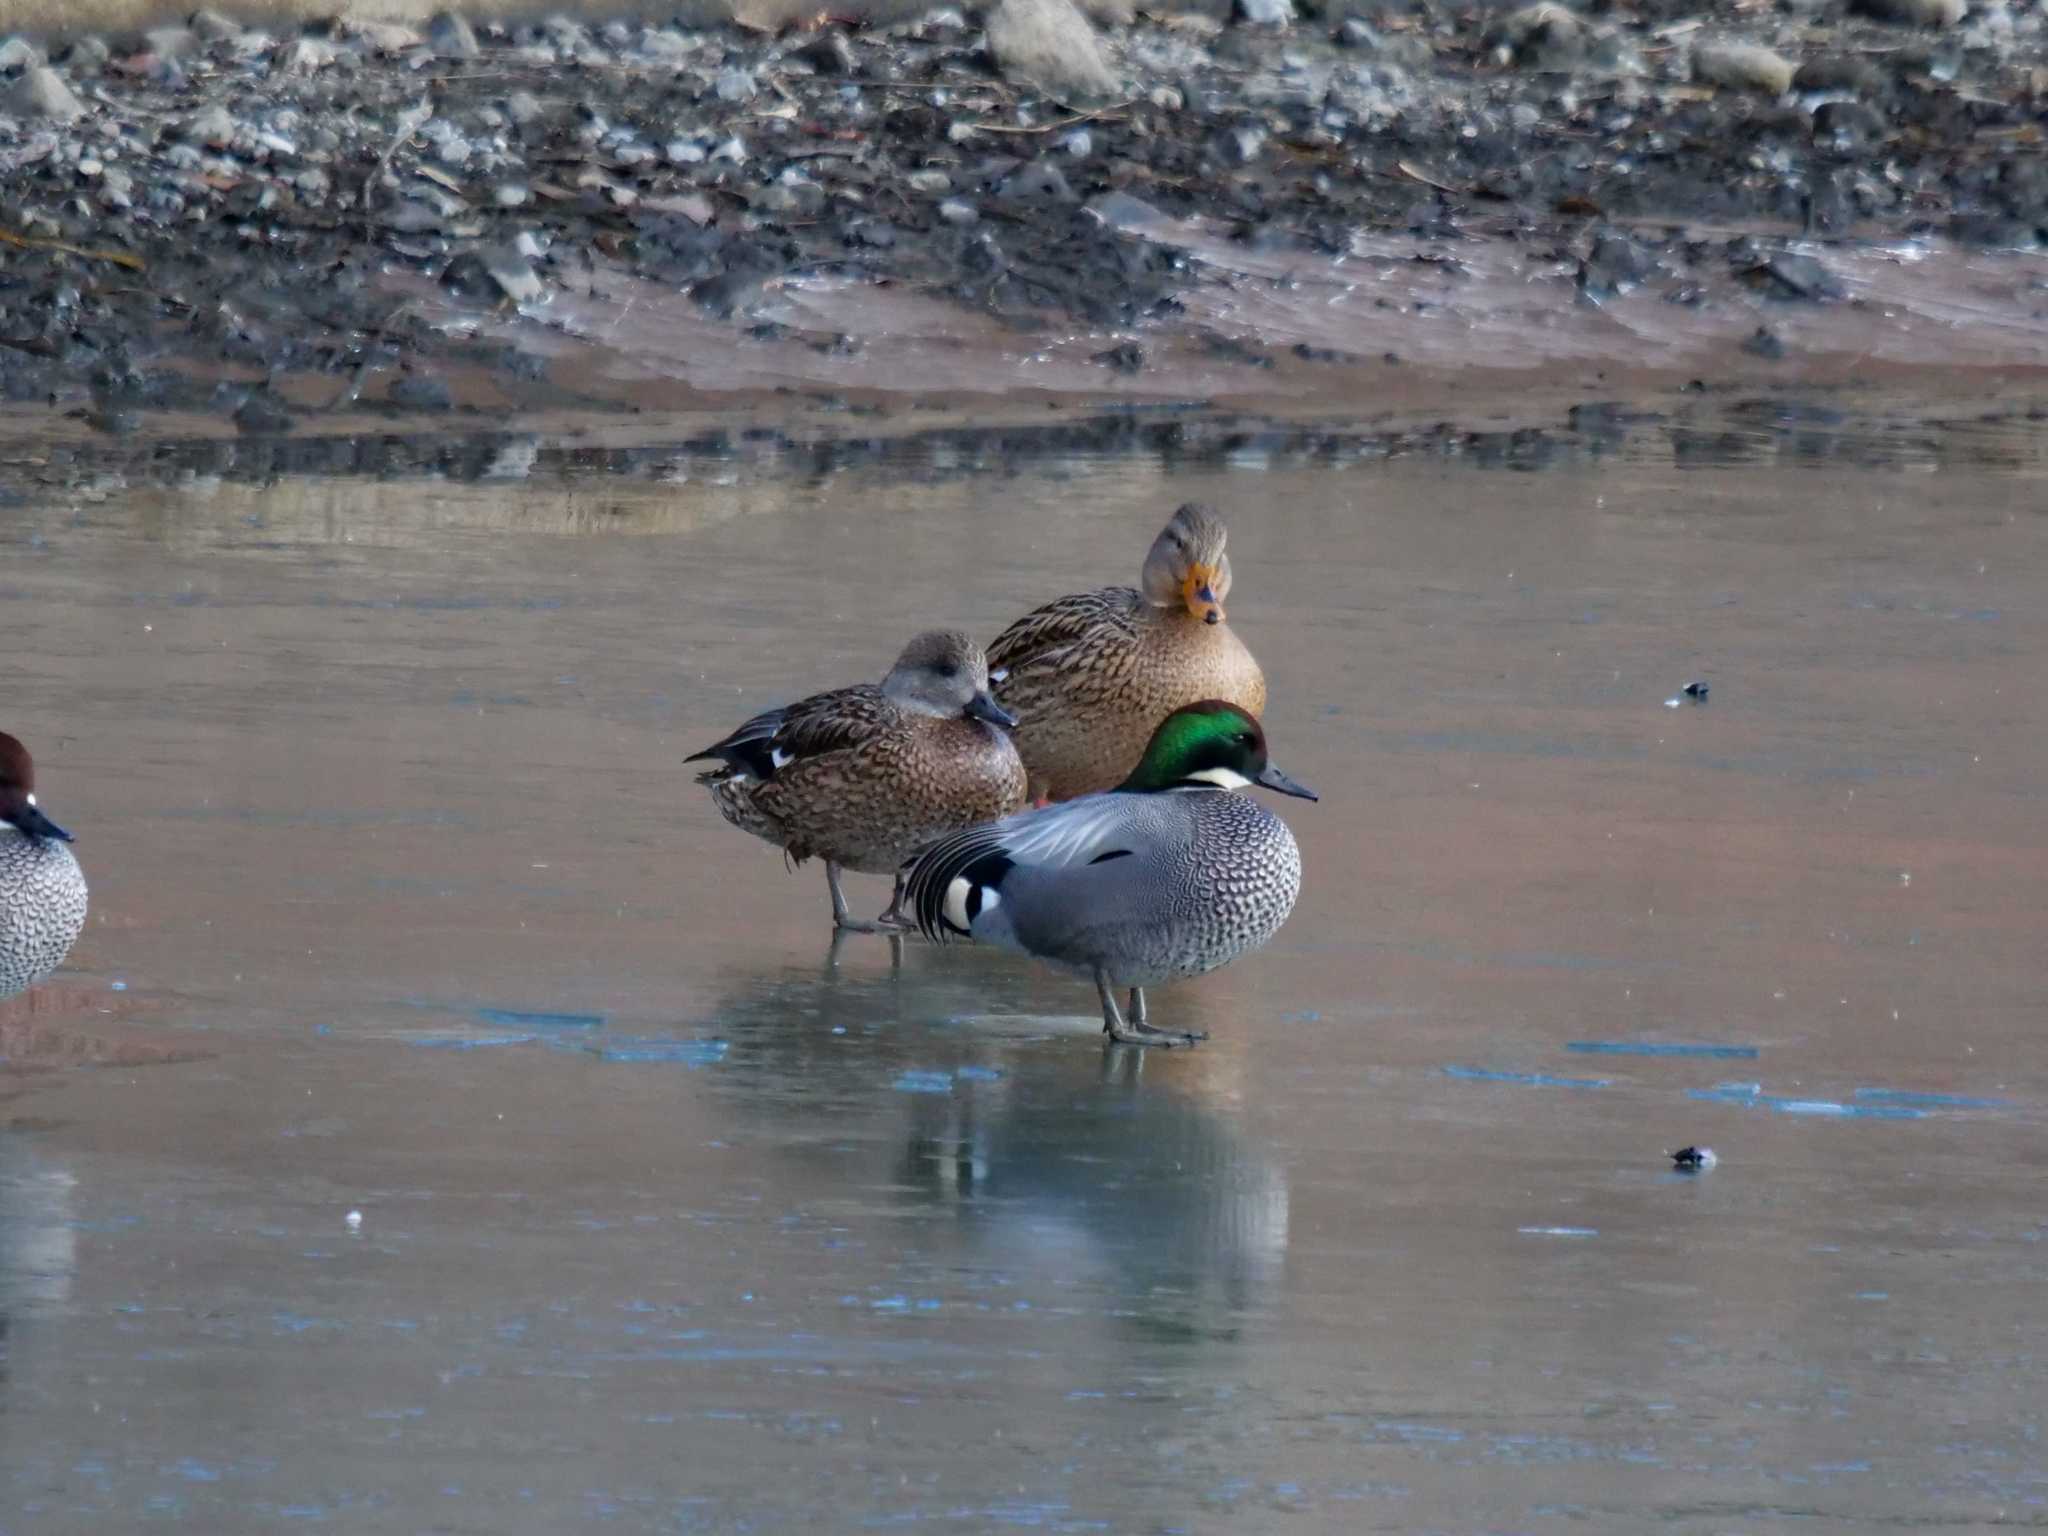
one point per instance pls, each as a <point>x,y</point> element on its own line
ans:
<point>1266,13</point>
<point>212,126</point>
<point>1050,46</point>
<point>1742,67</point>
<point>304,56</point>
<point>524,108</point>
<point>212,27</point>
<point>957,211</point>
<point>930,181</point>
<point>1544,37</point>
<point>511,271</point>
<point>736,85</point>
<point>42,92</point>
<point>453,37</point>
<point>1911,13</point>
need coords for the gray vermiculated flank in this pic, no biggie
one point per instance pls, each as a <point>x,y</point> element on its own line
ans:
<point>42,908</point>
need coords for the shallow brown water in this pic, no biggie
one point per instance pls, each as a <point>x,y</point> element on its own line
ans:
<point>404,904</point>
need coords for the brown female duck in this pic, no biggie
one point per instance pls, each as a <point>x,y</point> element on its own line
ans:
<point>865,777</point>
<point>1092,675</point>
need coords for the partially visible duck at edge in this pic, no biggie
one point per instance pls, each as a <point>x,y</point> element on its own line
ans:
<point>42,889</point>
<point>1172,874</point>
<point>1091,675</point>
<point>865,777</point>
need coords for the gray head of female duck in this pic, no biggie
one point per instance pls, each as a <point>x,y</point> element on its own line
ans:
<point>944,673</point>
<point>1211,745</point>
<point>1186,567</point>
<point>18,794</point>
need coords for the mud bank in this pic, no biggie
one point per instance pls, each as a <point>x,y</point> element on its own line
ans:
<point>273,227</point>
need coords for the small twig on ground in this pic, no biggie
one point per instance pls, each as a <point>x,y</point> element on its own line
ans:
<point>1079,117</point>
<point>409,122</point>
<point>32,243</point>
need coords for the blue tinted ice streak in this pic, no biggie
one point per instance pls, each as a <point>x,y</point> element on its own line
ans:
<point>1656,1048</point>
<point>1527,1079</point>
<point>1911,1100</point>
<point>515,1016</point>
<point>1752,1096</point>
<point>688,1053</point>
<point>924,1082</point>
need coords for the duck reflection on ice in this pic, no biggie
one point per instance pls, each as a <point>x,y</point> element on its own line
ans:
<point>1089,1173</point>
<point>38,1240</point>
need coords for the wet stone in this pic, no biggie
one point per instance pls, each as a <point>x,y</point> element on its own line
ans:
<point>452,37</point>
<point>1125,357</point>
<point>1847,125</point>
<point>1911,13</point>
<point>1050,46</point>
<point>263,413</point>
<point>1764,343</point>
<point>42,93</point>
<point>1742,67</point>
<point>421,392</point>
<point>736,85</point>
<point>18,53</point>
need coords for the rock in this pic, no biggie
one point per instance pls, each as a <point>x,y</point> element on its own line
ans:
<point>929,182</point>
<point>1613,266</point>
<point>86,54</point>
<point>1742,67</point>
<point>494,271</point>
<point>303,56</point>
<point>18,53</point>
<point>421,392</point>
<point>1764,343</point>
<point>524,108</point>
<point>453,37</point>
<point>1911,13</point>
<point>385,36</point>
<point>736,85</point>
<point>212,27</point>
<point>42,92</point>
<point>1847,125</point>
<point>1126,357</point>
<point>262,413</point>
<point>1788,275</point>
<point>212,126</point>
<point>171,42</point>
<point>957,211</point>
<point>1266,13</point>
<point>1837,72</point>
<point>1544,37</point>
<point>1050,46</point>
<point>830,54</point>
<point>1038,182</point>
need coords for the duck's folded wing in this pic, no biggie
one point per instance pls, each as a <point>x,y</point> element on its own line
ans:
<point>824,722</point>
<point>1047,636</point>
<point>956,879</point>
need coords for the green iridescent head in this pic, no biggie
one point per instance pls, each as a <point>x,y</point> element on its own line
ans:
<point>1211,745</point>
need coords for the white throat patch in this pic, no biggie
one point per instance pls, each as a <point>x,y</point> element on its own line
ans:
<point>1223,778</point>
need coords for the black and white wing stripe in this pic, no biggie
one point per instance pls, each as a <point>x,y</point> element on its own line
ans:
<point>960,877</point>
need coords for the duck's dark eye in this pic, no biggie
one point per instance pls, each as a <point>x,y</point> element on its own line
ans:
<point>948,669</point>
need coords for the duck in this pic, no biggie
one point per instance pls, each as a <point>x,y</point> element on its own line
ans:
<point>1173,873</point>
<point>867,776</point>
<point>42,889</point>
<point>1093,673</point>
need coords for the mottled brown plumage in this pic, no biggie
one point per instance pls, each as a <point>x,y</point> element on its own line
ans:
<point>1091,676</point>
<point>865,777</point>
